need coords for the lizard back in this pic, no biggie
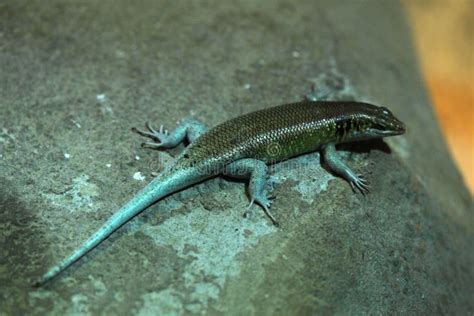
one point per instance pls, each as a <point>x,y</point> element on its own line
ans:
<point>278,133</point>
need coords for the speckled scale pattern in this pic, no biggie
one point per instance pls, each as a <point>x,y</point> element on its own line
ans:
<point>277,133</point>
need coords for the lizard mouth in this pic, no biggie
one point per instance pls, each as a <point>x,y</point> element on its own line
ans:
<point>392,132</point>
<point>393,128</point>
<point>375,132</point>
<point>400,128</point>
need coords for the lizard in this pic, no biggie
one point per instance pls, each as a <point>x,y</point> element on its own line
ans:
<point>244,147</point>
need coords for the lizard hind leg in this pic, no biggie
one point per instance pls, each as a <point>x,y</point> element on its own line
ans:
<point>162,138</point>
<point>256,171</point>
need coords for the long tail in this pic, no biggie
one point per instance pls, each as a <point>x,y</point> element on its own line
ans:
<point>168,182</point>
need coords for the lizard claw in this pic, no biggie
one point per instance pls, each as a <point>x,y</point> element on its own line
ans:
<point>159,133</point>
<point>361,184</point>
<point>160,137</point>
<point>151,145</point>
<point>265,203</point>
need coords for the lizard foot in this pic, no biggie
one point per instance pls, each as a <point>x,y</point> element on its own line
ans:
<point>161,136</point>
<point>265,203</point>
<point>360,183</point>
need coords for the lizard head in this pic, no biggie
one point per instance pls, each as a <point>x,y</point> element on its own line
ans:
<point>377,121</point>
<point>386,124</point>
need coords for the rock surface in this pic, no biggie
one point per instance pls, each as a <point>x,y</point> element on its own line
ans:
<point>76,76</point>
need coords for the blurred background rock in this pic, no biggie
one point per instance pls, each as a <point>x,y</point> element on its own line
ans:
<point>443,32</point>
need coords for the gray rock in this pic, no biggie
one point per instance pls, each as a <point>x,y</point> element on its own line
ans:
<point>76,76</point>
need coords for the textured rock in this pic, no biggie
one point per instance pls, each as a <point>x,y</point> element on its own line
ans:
<point>75,77</point>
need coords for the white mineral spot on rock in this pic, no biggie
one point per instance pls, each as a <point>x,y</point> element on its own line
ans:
<point>138,176</point>
<point>76,123</point>
<point>104,106</point>
<point>100,98</point>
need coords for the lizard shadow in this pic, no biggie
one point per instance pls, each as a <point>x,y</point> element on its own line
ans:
<point>359,147</point>
<point>23,242</point>
<point>365,146</point>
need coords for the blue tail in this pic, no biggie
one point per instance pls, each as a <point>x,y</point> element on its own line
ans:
<point>168,182</point>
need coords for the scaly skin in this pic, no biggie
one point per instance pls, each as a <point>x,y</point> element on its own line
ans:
<point>243,147</point>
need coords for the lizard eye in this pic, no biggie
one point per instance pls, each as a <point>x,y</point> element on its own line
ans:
<point>385,111</point>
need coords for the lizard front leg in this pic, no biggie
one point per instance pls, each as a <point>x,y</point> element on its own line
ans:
<point>189,128</point>
<point>256,171</point>
<point>343,170</point>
